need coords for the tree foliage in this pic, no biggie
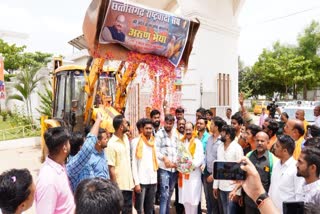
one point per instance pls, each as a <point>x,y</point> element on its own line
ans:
<point>26,65</point>
<point>309,47</point>
<point>12,55</point>
<point>26,82</point>
<point>284,68</point>
<point>245,82</point>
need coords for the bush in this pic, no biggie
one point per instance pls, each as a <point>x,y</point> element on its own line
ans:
<point>7,77</point>
<point>19,118</point>
<point>253,103</point>
<point>4,115</point>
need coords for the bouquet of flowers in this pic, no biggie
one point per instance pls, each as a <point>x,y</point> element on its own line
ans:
<point>184,160</point>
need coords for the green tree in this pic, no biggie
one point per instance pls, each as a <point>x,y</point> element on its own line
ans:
<point>245,77</point>
<point>309,47</point>
<point>278,69</point>
<point>26,83</point>
<point>285,68</point>
<point>27,66</point>
<point>34,60</point>
<point>12,56</point>
<point>309,41</point>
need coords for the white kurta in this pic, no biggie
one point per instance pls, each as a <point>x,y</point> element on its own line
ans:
<point>190,192</point>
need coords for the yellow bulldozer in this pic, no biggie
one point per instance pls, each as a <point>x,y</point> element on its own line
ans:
<point>79,92</point>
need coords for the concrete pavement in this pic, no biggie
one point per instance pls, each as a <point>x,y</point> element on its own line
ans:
<point>23,157</point>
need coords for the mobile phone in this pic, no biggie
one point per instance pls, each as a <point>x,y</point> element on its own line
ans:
<point>296,207</point>
<point>223,170</point>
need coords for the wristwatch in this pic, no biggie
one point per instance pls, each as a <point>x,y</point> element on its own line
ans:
<point>261,198</point>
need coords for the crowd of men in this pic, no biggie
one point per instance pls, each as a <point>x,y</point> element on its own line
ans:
<point>99,173</point>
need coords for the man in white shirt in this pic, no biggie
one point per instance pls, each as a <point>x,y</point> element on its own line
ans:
<point>316,112</point>
<point>308,167</point>
<point>285,185</point>
<point>190,183</point>
<point>227,118</point>
<point>229,150</point>
<point>144,169</point>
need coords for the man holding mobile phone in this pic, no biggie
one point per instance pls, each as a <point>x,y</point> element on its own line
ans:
<point>229,150</point>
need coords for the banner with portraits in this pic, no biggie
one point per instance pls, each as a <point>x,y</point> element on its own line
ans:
<point>145,30</point>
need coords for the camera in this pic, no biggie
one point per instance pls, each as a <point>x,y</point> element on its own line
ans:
<point>272,107</point>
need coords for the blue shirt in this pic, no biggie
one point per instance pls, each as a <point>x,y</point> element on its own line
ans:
<point>98,165</point>
<point>211,152</point>
<point>204,140</point>
<point>76,164</point>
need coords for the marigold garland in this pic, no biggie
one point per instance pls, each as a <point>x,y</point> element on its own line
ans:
<point>159,70</point>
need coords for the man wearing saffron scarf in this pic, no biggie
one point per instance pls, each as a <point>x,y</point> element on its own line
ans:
<point>181,123</point>
<point>190,184</point>
<point>144,168</point>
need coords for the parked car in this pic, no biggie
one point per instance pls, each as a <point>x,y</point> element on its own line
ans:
<point>316,103</point>
<point>259,105</point>
<point>282,104</point>
<point>308,110</point>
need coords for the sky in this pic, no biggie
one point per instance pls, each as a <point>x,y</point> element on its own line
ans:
<point>49,25</point>
<point>263,22</point>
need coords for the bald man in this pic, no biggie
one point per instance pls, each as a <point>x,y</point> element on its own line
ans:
<point>300,116</point>
<point>115,32</point>
<point>294,128</point>
<point>263,160</point>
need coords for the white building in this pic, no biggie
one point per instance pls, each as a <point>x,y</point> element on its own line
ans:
<point>214,61</point>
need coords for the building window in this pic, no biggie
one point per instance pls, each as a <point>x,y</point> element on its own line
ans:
<point>223,84</point>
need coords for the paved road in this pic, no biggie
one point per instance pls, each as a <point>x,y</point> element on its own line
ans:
<point>28,157</point>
